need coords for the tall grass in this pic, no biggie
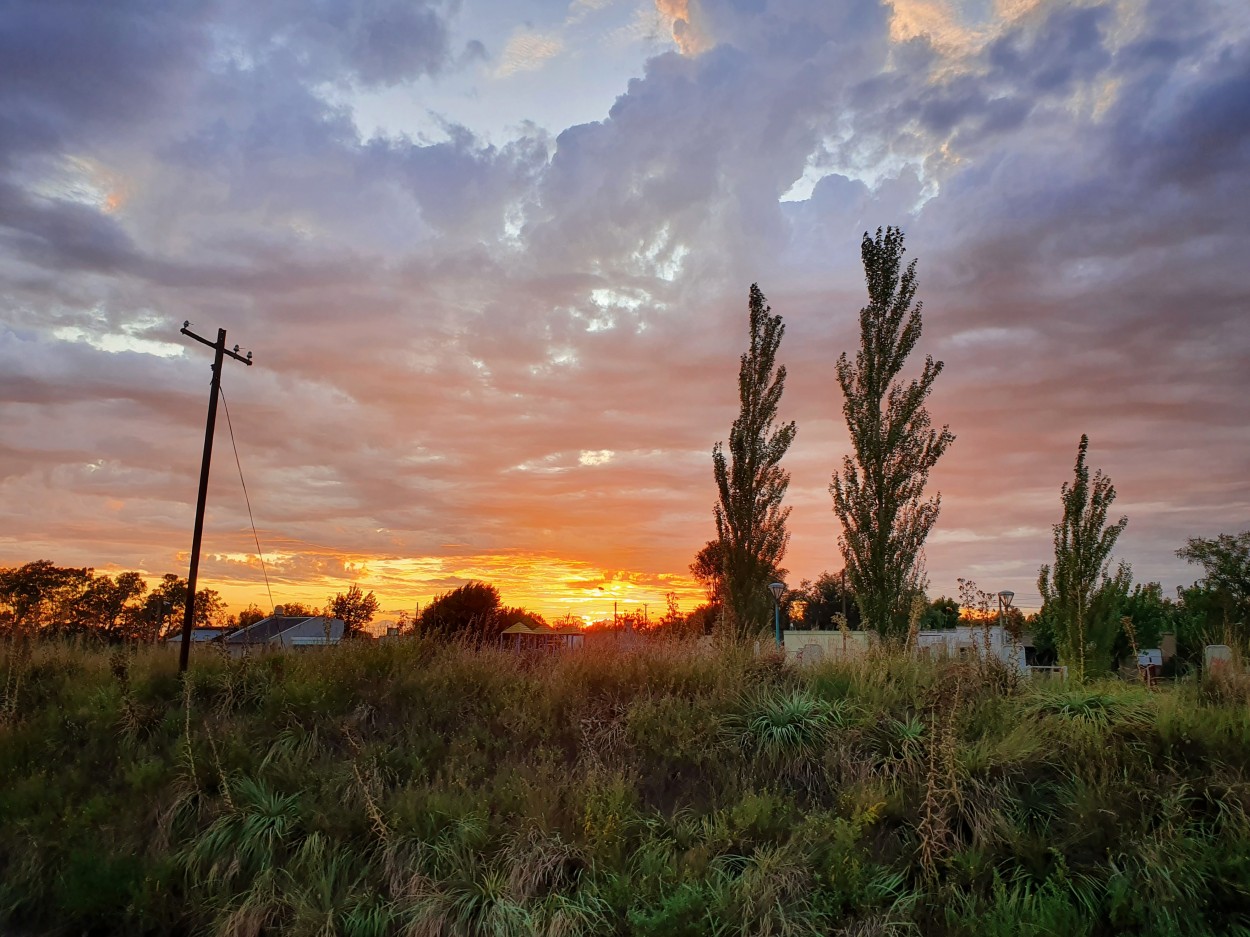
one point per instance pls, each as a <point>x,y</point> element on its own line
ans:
<point>426,789</point>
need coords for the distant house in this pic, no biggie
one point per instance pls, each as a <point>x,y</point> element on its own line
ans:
<point>278,632</point>
<point>198,636</point>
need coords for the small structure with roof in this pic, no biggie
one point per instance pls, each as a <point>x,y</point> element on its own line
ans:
<point>199,636</point>
<point>523,637</point>
<point>279,632</point>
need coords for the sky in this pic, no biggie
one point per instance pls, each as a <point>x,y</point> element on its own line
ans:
<point>492,261</point>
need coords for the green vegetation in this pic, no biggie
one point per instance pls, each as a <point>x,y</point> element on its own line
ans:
<point>879,493</point>
<point>1077,593</point>
<point>423,787</point>
<point>751,535</point>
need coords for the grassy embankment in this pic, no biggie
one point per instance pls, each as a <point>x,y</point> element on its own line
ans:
<point>426,789</point>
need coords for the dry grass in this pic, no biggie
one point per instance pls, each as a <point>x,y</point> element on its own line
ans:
<point>420,788</point>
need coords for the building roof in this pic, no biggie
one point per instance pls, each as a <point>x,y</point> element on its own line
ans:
<point>269,628</point>
<point>199,635</point>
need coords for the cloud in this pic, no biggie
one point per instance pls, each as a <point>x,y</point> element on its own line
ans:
<point>528,51</point>
<point>510,359</point>
<point>682,17</point>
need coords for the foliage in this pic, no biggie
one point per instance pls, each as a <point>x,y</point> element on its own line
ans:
<point>824,599</point>
<point>708,570</point>
<point>248,616</point>
<point>425,787</point>
<point>750,521</point>
<point>1226,562</point>
<point>942,612</point>
<point>354,608</point>
<point>1084,600</point>
<point>471,610</point>
<point>473,613</point>
<point>1151,614</point>
<point>167,603</point>
<point>879,494</point>
<point>46,599</point>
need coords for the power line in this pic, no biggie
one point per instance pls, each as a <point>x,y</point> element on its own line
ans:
<point>246,499</point>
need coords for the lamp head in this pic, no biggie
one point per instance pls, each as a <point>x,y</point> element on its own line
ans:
<point>777,588</point>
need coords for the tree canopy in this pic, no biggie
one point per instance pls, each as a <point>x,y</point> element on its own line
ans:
<point>1225,560</point>
<point>45,599</point>
<point>472,612</point>
<point>879,494</point>
<point>750,519</point>
<point>354,608</point>
<point>1077,590</point>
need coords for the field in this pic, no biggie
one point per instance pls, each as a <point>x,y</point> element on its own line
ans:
<point>423,788</point>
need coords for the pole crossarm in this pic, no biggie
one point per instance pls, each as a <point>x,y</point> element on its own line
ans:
<point>220,351</point>
<point>226,351</point>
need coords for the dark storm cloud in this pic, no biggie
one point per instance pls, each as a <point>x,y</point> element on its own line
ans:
<point>73,72</point>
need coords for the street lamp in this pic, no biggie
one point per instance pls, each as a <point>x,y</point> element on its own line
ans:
<point>777,588</point>
<point>1004,606</point>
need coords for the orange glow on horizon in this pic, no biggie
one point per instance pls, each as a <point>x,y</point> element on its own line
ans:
<point>555,587</point>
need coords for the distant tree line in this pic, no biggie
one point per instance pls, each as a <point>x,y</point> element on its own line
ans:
<point>45,600</point>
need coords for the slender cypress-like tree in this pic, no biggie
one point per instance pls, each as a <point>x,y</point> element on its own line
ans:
<point>750,521</point>
<point>878,495</point>
<point>1077,594</point>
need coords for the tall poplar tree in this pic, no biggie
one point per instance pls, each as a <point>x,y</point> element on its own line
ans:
<point>879,494</point>
<point>1078,595</point>
<point>750,521</point>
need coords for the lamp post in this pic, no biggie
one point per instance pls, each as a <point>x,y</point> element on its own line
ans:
<point>1004,606</point>
<point>777,588</point>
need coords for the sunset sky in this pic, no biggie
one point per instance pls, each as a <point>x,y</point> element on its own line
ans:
<point>492,260</point>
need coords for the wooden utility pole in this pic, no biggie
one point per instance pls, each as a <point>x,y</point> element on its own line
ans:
<point>219,352</point>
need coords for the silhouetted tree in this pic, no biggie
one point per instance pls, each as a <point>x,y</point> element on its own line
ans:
<point>355,608</point>
<point>879,494</point>
<point>708,570</point>
<point>472,612</point>
<point>248,616</point>
<point>105,607</point>
<point>1084,600</point>
<point>750,521</point>
<point>41,595</point>
<point>165,604</point>
<point>46,599</point>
